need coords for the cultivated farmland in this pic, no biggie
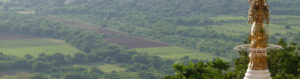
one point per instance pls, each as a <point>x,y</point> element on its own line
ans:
<point>176,53</point>
<point>20,45</point>
<point>113,37</point>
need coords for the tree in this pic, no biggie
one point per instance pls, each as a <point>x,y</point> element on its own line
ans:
<point>40,66</point>
<point>282,64</point>
<point>122,58</point>
<point>75,75</point>
<point>199,70</point>
<point>287,27</point>
<point>27,56</point>
<point>145,75</point>
<point>38,76</point>
<point>96,70</point>
<point>140,59</point>
<point>79,57</point>
<point>219,64</point>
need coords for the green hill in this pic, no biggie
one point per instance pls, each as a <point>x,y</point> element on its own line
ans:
<point>202,25</point>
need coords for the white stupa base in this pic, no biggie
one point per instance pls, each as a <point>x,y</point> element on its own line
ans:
<point>257,74</point>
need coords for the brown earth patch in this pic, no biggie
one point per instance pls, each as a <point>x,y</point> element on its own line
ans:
<point>9,36</point>
<point>112,36</point>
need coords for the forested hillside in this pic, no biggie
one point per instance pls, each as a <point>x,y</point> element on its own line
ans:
<point>94,50</point>
<point>195,30</point>
<point>204,25</point>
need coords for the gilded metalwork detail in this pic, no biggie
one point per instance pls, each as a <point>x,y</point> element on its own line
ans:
<point>259,11</point>
<point>258,38</point>
<point>258,14</point>
<point>258,61</point>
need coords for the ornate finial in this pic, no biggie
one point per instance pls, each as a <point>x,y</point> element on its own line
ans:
<point>259,11</point>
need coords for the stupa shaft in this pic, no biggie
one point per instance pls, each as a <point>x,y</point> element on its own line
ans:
<point>258,15</point>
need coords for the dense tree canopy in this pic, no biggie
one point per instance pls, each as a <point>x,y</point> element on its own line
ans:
<point>282,64</point>
<point>93,47</point>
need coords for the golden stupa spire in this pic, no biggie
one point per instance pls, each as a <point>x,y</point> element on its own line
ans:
<point>258,15</point>
<point>258,48</point>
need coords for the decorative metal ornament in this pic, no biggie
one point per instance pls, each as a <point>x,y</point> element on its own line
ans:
<point>259,11</point>
<point>258,14</point>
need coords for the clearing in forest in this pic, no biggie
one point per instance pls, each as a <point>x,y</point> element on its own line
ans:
<point>20,45</point>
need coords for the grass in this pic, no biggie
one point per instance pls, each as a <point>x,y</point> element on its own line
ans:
<point>177,53</point>
<point>4,1</point>
<point>11,77</point>
<point>15,74</point>
<point>111,67</point>
<point>128,75</point>
<point>118,68</point>
<point>35,46</point>
<point>228,18</point>
<point>26,12</point>
<point>15,43</point>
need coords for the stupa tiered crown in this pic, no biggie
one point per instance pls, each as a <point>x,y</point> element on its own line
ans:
<point>258,48</point>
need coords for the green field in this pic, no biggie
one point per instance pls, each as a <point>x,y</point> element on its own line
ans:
<point>15,74</point>
<point>116,69</point>
<point>27,12</point>
<point>5,1</point>
<point>111,67</point>
<point>35,46</point>
<point>177,53</point>
<point>19,75</point>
